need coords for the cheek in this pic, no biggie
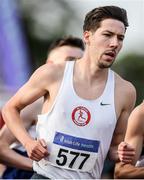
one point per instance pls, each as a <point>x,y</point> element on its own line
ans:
<point>103,43</point>
<point>120,46</point>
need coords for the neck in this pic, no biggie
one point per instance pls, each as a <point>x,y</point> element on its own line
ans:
<point>88,70</point>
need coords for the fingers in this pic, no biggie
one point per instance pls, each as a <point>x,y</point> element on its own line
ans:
<point>126,152</point>
<point>36,155</point>
<point>43,143</point>
<point>43,147</point>
<point>37,150</point>
<point>123,146</point>
<point>126,158</point>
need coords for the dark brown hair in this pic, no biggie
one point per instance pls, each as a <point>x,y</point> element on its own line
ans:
<point>94,18</point>
<point>67,41</point>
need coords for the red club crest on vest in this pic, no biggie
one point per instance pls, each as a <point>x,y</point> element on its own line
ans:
<point>81,116</point>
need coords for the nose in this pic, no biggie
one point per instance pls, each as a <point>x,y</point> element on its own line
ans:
<point>114,42</point>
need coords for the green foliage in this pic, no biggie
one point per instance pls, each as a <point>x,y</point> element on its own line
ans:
<point>131,68</point>
<point>44,21</point>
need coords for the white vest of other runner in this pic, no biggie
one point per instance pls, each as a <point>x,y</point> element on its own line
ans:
<point>77,131</point>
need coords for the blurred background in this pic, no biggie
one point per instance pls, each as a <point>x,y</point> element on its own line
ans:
<point>27,27</point>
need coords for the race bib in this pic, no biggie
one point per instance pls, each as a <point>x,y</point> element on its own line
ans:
<point>73,153</point>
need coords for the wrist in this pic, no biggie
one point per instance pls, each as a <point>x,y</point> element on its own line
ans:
<point>27,141</point>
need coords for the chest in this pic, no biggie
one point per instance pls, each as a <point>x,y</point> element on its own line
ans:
<point>87,90</point>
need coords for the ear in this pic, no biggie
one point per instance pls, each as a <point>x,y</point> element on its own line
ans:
<point>86,36</point>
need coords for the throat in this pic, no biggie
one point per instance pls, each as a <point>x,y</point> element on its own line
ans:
<point>89,92</point>
<point>89,83</point>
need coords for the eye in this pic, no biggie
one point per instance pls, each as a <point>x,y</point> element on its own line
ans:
<point>70,58</point>
<point>107,35</point>
<point>121,38</point>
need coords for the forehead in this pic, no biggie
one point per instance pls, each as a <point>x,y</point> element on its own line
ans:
<point>63,53</point>
<point>112,25</point>
<point>69,50</point>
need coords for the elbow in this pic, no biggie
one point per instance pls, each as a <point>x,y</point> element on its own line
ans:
<point>4,112</point>
<point>8,110</point>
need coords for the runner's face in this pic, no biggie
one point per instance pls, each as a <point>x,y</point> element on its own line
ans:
<point>64,53</point>
<point>106,42</point>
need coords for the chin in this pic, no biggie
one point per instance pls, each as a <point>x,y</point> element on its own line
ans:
<point>105,65</point>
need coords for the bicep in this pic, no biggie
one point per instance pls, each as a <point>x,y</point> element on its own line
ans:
<point>118,136</point>
<point>30,112</point>
<point>120,129</point>
<point>128,105</point>
<point>29,92</point>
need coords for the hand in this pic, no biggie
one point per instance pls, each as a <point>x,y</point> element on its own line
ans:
<point>126,152</point>
<point>37,149</point>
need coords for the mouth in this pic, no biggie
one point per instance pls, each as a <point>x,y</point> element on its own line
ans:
<point>110,55</point>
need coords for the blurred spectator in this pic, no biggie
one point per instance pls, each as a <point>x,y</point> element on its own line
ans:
<point>12,152</point>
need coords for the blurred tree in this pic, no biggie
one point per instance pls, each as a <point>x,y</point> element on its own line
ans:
<point>44,21</point>
<point>131,68</point>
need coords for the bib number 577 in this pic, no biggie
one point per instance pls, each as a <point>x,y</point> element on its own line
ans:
<point>63,154</point>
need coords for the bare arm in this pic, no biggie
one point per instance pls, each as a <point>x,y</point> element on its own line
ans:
<point>8,156</point>
<point>128,101</point>
<point>135,131</point>
<point>35,88</point>
<point>134,137</point>
<point>128,171</point>
<point>1,120</point>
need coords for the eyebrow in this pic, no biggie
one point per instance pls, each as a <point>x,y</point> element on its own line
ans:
<point>107,31</point>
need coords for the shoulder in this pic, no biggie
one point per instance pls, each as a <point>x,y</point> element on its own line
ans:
<point>136,121</point>
<point>127,86</point>
<point>50,69</point>
<point>126,89</point>
<point>141,108</point>
<point>137,114</point>
<point>48,72</point>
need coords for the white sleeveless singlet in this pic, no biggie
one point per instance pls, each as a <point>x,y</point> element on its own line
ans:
<point>77,131</point>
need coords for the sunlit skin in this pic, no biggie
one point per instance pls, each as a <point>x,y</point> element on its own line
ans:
<point>62,53</point>
<point>56,56</point>
<point>105,42</point>
<point>1,120</point>
<point>90,75</point>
